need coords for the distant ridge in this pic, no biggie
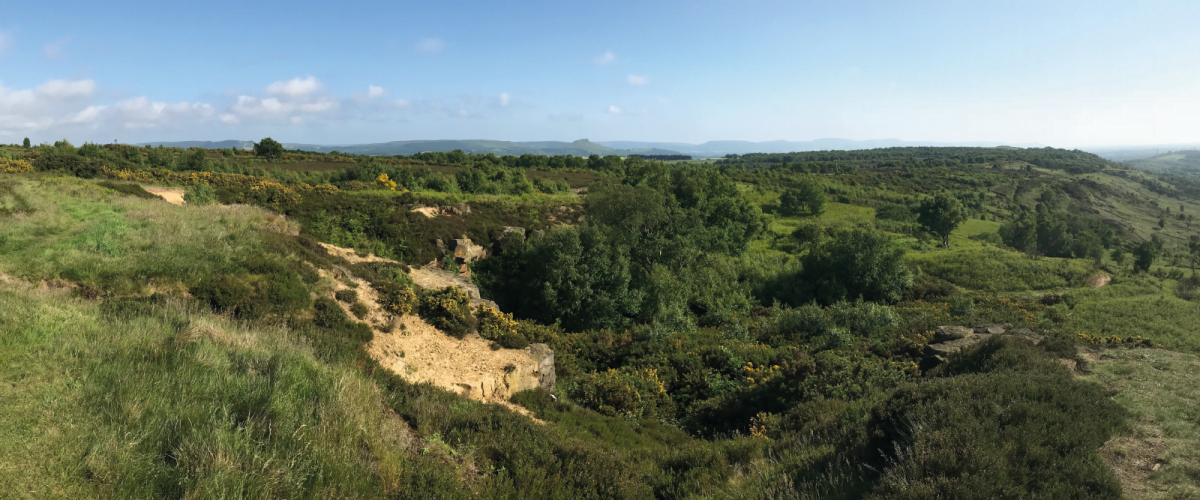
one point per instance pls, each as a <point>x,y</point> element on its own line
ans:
<point>584,147</point>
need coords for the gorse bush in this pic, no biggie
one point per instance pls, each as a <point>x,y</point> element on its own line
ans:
<point>395,298</point>
<point>447,309</point>
<point>630,395</point>
<point>500,327</point>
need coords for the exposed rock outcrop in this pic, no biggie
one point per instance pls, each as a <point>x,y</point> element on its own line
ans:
<point>950,340</point>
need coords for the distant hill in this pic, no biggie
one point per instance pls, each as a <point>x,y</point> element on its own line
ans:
<point>201,144</point>
<point>721,148</point>
<point>584,147</point>
<point>1130,153</point>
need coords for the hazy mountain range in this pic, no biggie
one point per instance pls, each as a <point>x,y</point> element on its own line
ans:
<point>584,147</point>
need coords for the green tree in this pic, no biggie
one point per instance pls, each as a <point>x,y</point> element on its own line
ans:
<point>196,159</point>
<point>269,149</point>
<point>26,143</point>
<point>1118,256</point>
<point>571,276</point>
<point>1162,223</point>
<point>856,263</point>
<point>1193,251</point>
<point>807,196</point>
<point>1021,233</point>
<point>1146,252</point>
<point>941,215</point>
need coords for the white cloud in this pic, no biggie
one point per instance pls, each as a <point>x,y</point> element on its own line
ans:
<point>88,115</point>
<point>403,102</point>
<point>504,98</point>
<point>373,91</point>
<point>296,87</point>
<point>141,112</point>
<point>54,50</point>
<point>605,58</point>
<point>637,80</point>
<point>614,109</point>
<point>67,106</point>
<point>429,46</point>
<point>65,89</point>
<point>230,119</point>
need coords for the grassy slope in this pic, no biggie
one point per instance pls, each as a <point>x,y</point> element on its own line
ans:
<point>1161,459</point>
<point>180,402</point>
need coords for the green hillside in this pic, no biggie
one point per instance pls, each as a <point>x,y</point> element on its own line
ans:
<point>760,326</point>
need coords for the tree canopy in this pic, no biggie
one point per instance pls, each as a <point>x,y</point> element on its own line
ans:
<point>268,148</point>
<point>941,214</point>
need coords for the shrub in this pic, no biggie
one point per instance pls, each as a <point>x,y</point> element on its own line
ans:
<point>327,314</point>
<point>630,395</point>
<point>200,194</point>
<point>1011,422</point>
<point>395,298</point>
<point>348,296</point>
<point>449,310</point>
<point>127,188</point>
<point>360,310</point>
<point>500,327</point>
<point>224,293</point>
<point>858,263</point>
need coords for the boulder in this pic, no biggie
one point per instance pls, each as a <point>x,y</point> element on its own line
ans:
<point>950,340</point>
<point>946,333</point>
<point>993,329</point>
<point>942,350</point>
<point>543,357</point>
<point>467,251</point>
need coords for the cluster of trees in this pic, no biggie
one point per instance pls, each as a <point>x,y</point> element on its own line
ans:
<point>806,197</point>
<point>1073,161</point>
<point>656,249</point>
<point>1053,229</point>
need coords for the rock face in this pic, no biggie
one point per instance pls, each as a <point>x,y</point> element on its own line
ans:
<point>467,251</point>
<point>950,340</point>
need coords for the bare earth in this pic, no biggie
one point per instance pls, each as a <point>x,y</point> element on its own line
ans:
<point>173,196</point>
<point>430,212</point>
<point>415,350</point>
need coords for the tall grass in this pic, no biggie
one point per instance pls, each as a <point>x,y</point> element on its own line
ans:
<point>94,236</point>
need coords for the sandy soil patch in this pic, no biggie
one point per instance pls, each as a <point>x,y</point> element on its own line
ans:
<point>415,350</point>
<point>1098,280</point>
<point>430,212</point>
<point>173,196</point>
<point>351,255</point>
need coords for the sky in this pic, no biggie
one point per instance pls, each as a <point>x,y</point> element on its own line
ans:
<point>1061,73</point>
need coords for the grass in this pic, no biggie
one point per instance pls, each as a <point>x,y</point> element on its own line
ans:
<point>180,403</point>
<point>95,237</point>
<point>1161,457</point>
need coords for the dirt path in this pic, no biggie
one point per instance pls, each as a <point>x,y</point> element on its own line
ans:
<point>173,196</point>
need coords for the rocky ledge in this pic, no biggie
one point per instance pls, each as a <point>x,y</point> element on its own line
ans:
<point>949,340</point>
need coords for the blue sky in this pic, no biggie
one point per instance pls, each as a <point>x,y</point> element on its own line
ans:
<point>1062,73</point>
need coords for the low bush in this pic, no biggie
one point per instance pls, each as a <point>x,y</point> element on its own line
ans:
<point>200,194</point>
<point>395,298</point>
<point>360,310</point>
<point>500,328</point>
<point>449,310</point>
<point>348,296</point>
<point>127,188</point>
<point>1004,420</point>
<point>225,293</point>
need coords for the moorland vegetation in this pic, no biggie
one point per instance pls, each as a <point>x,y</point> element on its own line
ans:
<point>750,329</point>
